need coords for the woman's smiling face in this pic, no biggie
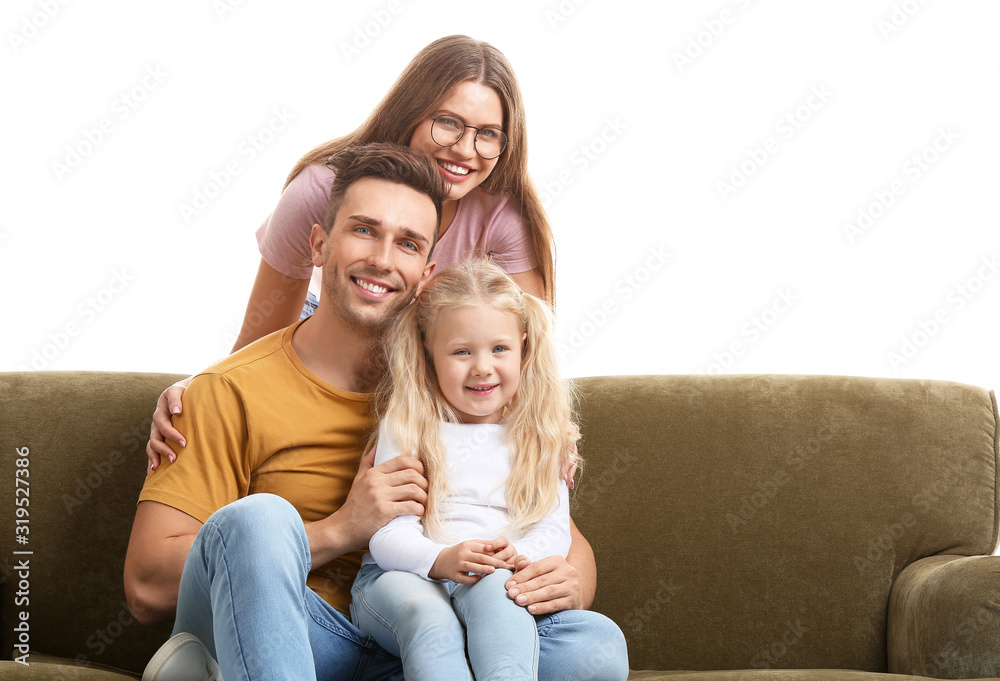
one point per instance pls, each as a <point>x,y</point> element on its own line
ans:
<point>478,106</point>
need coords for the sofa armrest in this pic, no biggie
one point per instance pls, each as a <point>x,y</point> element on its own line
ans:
<point>944,618</point>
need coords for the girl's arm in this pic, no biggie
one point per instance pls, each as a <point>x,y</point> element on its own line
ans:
<point>551,535</point>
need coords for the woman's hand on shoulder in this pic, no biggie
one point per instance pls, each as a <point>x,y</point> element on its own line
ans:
<point>161,429</point>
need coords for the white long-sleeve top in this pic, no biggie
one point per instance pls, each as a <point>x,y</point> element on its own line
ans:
<point>478,462</point>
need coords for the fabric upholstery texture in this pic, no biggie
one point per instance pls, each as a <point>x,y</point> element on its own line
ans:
<point>745,527</point>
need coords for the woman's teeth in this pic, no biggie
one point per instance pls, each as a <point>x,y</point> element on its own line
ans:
<point>451,168</point>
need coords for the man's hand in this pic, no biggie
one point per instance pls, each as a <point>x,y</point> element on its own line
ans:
<point>378,494</point>
<point>475,556</point>
<point>547,586</point>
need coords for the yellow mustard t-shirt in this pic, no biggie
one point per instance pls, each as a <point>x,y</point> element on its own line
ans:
<point>259,421</point>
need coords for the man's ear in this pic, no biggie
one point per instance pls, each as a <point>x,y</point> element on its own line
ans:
<point>317,240</point>
<point>426,277</point>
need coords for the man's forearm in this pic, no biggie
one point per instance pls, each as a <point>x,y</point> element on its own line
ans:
<point>330,539</point>
<point>581,557</point>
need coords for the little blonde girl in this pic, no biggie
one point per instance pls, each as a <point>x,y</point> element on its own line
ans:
<point>475,394</point>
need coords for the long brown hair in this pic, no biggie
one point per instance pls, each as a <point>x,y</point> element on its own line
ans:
<point>435,70</point>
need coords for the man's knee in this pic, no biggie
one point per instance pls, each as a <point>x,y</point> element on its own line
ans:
<point>264,521</point>
<point>587,642</point>
<point>608,653</point>
<point>256,510</point>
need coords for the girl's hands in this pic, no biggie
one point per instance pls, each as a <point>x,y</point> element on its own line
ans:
<point>168,404</point>
<point>477,557</point>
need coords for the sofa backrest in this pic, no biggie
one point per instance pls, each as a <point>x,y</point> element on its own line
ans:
<point>759,521</point>
<point>84,434</point>
<point>738,521</point>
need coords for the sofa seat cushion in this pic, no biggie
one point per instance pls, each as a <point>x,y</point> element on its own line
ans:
<point>46,667</point>
<point>772,675</point>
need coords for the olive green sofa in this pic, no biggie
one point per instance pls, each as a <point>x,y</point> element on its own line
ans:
<point>746,527</point>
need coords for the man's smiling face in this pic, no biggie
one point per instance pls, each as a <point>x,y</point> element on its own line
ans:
<point>374,258</point>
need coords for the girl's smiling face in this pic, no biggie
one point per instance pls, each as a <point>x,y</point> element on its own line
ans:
<point>476,105</point>
<point>477,357</point>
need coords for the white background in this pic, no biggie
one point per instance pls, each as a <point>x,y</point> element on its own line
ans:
<point>101,271</point>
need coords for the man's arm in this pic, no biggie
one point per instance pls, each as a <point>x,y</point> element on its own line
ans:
<point>160,541</point>
<point>378,494</point>
<point>556,583</point>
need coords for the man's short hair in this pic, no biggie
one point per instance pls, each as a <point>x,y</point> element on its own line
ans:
<point>384,161</point>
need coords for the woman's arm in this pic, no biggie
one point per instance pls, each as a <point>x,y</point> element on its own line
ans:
<point>531,282</point>
<point>275,302</point>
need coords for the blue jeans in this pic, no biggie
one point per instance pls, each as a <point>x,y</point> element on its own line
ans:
<point>429,622</point>
<point>312,302</point>
<point>243,593</point>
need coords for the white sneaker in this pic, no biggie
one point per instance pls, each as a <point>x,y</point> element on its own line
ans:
<point>182,658</point>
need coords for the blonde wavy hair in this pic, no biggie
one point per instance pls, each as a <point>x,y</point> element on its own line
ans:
<point>539,421</point>
<point>431,74</point>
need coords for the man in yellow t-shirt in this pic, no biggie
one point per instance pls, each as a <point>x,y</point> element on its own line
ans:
<point>253,537</point>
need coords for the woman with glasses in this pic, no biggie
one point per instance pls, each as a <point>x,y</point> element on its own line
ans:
<point>459,102</point>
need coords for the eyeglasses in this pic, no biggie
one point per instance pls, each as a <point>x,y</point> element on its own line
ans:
<point>447,130</point>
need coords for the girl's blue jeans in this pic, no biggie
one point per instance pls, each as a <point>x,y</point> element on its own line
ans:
<point>243,593</point>
<point>430,624</point>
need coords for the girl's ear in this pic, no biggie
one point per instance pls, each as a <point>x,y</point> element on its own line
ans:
<point>524,348</point>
